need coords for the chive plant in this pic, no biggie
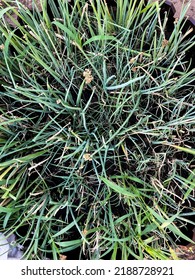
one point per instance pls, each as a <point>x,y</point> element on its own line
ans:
<point>96,130</point>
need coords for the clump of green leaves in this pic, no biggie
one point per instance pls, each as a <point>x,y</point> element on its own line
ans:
<point>96,130</point>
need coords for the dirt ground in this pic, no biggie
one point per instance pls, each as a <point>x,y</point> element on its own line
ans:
<point>26,3</point>
<point>177,4</point>
<point>177,7</point>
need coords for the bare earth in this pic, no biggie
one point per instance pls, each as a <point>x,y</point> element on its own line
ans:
<point>177,4</point>
<point>27,3</point>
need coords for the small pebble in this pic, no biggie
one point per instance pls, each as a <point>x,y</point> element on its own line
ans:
<point>9,249</point>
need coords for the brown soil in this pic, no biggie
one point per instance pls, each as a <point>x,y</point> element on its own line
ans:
<point>177,6</point>
<point>186,252</point>
<point>26,3</point>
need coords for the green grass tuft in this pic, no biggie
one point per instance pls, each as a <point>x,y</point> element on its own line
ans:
<point>96,130</point>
